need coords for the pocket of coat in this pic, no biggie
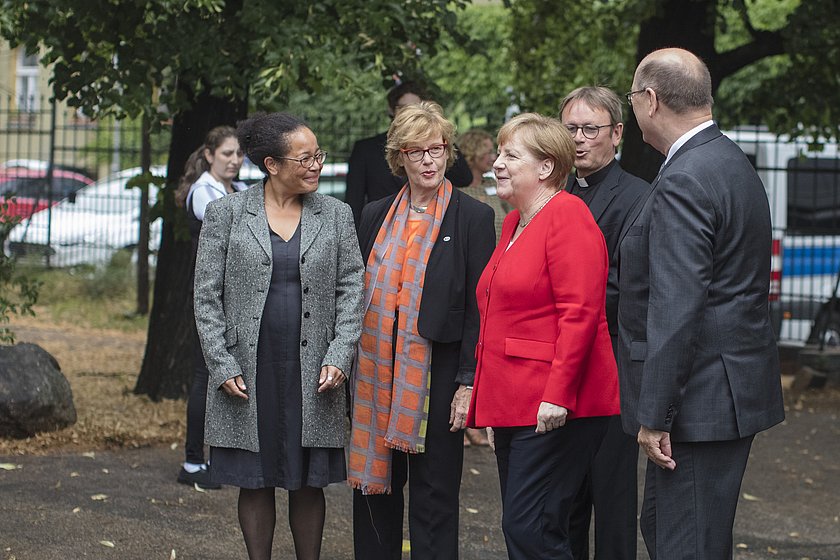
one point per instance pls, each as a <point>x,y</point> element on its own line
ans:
<point>638,350</point>
<point>530,349</point>
<point>231,338</point>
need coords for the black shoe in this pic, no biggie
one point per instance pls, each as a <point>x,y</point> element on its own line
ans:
<point>200,477</point>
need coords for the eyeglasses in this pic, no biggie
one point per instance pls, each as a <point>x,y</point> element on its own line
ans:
<point>629,95</point>
<point>307,161</point>
<point>589,130</point>
<point>416,154</point>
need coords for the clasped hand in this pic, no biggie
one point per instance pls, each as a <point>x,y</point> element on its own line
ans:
<point>550,417</point>
<point>331,377</point>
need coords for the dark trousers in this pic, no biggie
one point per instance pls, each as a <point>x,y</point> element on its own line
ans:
<point>434,484</point>
<point>196,407</point>
<point>540,475</point>
<point>611,486</point>
<point>688,513</point>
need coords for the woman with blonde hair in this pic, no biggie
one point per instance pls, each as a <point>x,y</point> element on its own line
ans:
<point>546,378</point>
<point>424,249</point>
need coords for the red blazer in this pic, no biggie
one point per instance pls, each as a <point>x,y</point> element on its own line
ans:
<point>543,333</point>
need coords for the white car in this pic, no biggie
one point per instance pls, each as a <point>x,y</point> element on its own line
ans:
<point>332,182</point>
<point>89,227</point>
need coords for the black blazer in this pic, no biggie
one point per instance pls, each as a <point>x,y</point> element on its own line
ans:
<point>369,178</point>
<point>614,201</point>
<point>697,355</point>
<point>448,309</point>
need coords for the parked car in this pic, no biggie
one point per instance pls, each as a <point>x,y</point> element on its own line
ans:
<point>88,227</point>
<point>31,190</point>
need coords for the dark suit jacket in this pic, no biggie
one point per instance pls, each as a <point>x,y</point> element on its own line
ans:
<point>448,309</point>
<point>612,205</point>
<point>369,178</point>
<point>697,354</point>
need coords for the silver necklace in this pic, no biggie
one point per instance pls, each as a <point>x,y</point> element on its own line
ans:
<point>419,209</point>
<point>528,221</point>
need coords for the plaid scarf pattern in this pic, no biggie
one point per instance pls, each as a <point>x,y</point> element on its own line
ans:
<point>391,375</point>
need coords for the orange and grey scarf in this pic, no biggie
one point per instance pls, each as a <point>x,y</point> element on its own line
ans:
<point>392,373</point>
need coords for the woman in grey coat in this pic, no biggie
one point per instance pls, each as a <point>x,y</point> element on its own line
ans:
<point>278,305</point>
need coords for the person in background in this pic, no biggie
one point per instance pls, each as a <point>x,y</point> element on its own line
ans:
<point>209,173</point>
<point>278,305</point>
<point>479,152</point>
<point>368,175</point>
<point>700,373</point>
<point>546,378</point>
<point>424,248</point>
<point>593,117</point>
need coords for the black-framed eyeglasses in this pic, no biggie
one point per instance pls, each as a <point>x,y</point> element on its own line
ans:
<point>629,95</point>
<point>589,130</point>
<point>307,161</point>
<point>417,154</point>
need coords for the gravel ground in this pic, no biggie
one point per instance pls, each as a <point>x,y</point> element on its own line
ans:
<point>106,488</point>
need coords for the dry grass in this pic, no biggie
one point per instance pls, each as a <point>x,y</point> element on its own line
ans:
<point>101,366</point>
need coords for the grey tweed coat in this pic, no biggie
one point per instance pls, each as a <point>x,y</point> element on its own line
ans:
<point>232,276</point>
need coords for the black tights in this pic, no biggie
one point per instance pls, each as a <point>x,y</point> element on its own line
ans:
<point>307,509</point>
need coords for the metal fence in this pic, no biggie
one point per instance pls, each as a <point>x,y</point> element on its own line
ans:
<point>73,222</point>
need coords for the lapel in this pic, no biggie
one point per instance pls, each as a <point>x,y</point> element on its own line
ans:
<point>310,221</point>
<point>605,193</point>
<point>257,221</point>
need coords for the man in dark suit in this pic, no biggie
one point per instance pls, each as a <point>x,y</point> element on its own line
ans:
<point>698,363</point>
<point>368,176</point>
<point>593,117</point>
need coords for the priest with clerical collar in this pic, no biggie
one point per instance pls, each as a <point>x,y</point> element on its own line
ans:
<point>593,117</point>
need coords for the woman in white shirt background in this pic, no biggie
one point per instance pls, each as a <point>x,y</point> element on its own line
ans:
<point>209,174</point>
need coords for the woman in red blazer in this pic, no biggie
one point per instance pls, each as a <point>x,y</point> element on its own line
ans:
<point>546,378</point>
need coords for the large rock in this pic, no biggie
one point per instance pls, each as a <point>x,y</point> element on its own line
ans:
<point>34,394</point>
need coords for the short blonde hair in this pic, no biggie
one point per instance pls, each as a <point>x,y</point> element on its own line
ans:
<point>413,124</point>
<point>545,138</point>
<point>470,144</point>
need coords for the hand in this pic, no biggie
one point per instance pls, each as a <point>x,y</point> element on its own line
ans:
<point>331,377</point>
<point>657,446</point>
<point>235,387</point>
<point>491,438</point>
<point>458,408</point>
<point>550,417</point>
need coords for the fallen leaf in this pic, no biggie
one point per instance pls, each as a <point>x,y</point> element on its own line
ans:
<point>772,550</point>
<point>106,471</point>
<point>74,474</point>
<point>809,481</point>
<point>199,488</point>
<point>474,471</point>
<point>57,485</point>
<point>172,555</point>
<point>793,534</point>
<point>472,510</point>
<point>77,509</point>
<point>89,454</point>
<point>173,447</point>
<point>750,497</point>
<point>109,544</point>
<point>741,546</point>
<point>99,497</point>
<point>10,466</point>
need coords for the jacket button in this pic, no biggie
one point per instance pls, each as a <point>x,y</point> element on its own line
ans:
<point>306,315</point>
<point>306,290</point>
<point>303,343</point>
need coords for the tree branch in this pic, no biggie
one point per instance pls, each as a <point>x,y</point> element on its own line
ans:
<point>764,44</point>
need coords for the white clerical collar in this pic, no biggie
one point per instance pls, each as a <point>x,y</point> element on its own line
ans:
<point>581,181</point>
<point>685,138</point>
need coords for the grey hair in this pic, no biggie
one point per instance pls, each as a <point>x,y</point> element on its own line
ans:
<point>680,83</point>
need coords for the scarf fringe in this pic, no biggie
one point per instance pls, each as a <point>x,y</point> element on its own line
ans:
<point>368,489</point>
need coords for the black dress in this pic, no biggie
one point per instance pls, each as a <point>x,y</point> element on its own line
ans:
<point>281,462</point>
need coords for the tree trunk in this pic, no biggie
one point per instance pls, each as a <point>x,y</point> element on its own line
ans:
<point>689,24</point>
<point>167,364</point>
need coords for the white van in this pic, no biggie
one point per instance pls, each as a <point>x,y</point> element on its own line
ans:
<point>803,188</point>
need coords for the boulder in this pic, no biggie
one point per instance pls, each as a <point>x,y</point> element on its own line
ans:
<point>34,394</point>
